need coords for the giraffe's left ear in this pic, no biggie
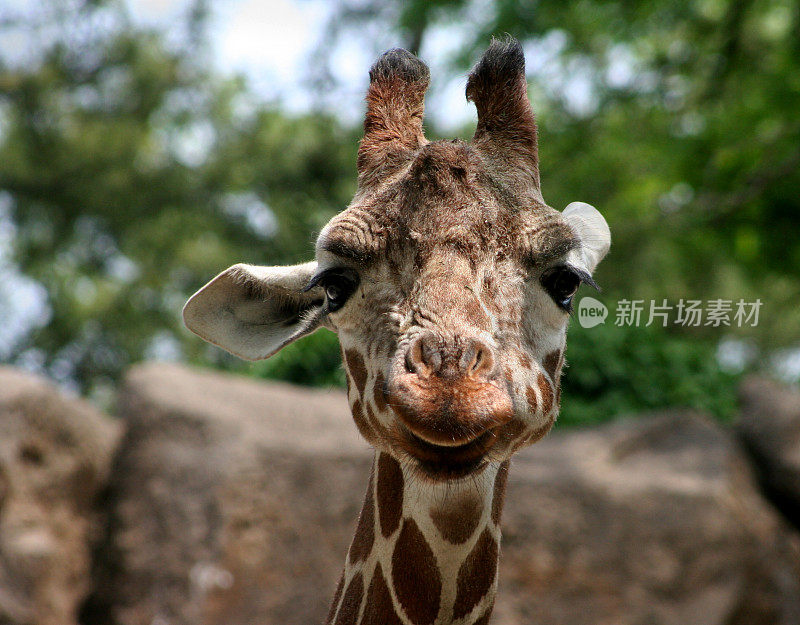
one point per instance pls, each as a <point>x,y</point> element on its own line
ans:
<point>253,312</point>
<point>594,234</point>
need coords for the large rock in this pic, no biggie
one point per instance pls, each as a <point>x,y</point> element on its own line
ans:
<point>769,425</point>
<point>54,457</point>
<point>649,521</point>
<point>234,502</point>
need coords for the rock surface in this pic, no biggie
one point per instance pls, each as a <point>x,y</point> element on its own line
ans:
<point>651,521</point>
<point>55,453</point>
<point>234,502</point>
<point>769,425</point>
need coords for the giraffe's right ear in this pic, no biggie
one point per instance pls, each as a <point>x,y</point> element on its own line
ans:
<point>253,312</point>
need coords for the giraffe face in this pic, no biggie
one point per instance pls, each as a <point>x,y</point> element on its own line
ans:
<point>448,279</point>
<point>450,323</point>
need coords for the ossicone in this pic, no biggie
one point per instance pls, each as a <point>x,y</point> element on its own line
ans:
<point>506,131</point>
<point>395,106</point>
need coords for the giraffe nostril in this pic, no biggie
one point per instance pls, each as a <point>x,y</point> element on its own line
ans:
<point>428,355</point>
<point>416,361</point>
<point>479,359</point>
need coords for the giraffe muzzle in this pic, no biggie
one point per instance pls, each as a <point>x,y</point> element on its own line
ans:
<point>448,394</point>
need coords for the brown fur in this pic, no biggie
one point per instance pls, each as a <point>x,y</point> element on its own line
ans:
<point>365,531</point>
<point>476,575</point>
<point>378,393</point>
<point>500,481</point>
<point>357,370</point>
<point>506,131</point>
<point>351,603</point>
<point>533,402</point>
<point>393,123</point>
<point>335,603</point>
<point>416,577</point>
<point>552,365</point>
<point>365,428</point>
<point>457,520</point>
<point>390,494</point>
<point>379,609</point>
<point>484,620</point>
<point>546,390</point>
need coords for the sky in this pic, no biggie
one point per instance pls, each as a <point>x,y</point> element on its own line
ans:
<point>267,40</point>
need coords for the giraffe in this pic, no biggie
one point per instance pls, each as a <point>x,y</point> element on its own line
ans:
<point>449,282</point>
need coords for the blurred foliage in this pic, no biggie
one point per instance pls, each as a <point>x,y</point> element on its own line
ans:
<point>133,173</point>
<point>315,360</point>
<point>625,370</point>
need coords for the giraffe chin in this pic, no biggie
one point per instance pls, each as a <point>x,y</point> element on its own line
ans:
<point>446,462</point>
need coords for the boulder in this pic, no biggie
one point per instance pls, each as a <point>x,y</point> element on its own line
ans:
<point>55,453</point>
<point>234,501</point>
<point>654,520</point>
<point>769,426</point>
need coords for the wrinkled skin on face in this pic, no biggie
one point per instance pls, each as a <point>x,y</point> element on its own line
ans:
<point>449,265</point>
<point>448,279</point>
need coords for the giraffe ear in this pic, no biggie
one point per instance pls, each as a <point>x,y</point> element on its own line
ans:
<point>593,231</point>
<point>253,312</point>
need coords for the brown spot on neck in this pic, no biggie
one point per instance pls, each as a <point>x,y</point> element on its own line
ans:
<point>374,423</point>
<point>355,366</point>
<point>365,531</point>
<point>457,518</point>
<point>351,603</point>
<point>389,493</point>
<point>484,620</point>
<point>379,609</point>
<point>500,481</point>
<point>417,581</point>
<point>476,576</point>
<point>361,423</point>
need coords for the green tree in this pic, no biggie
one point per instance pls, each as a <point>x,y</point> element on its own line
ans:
<point>133,173</point>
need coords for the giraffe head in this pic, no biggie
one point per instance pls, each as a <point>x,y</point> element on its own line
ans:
<point>448,279</point>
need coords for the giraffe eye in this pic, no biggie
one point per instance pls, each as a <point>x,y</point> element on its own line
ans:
<point>338,284</point>
<point>561,283</point>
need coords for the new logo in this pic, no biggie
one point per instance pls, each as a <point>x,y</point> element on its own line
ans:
<point>591,312</point>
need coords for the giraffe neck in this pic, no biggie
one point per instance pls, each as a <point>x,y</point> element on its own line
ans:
<point>424,553</point>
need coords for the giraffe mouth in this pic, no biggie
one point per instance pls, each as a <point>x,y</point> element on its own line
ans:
<point>447,462</point>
